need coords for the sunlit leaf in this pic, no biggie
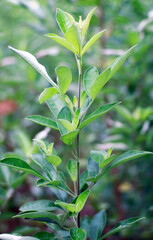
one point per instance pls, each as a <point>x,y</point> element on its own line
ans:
<point>44,121</point>
<point>64,20</point>
<point>53,159</point>
<point>68,206</point>
<point>66,124</point>
<point>47,93</point>
<point>64,78</point>
<point>81,200</point>
<point>89,78</point>
<point>69,137</point>
<point>86,22</point>
<point>72,169</point>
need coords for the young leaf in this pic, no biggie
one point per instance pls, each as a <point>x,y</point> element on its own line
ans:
<point>66,124</point>
<point>99,112</point>
<point>72,36</point>
<point>44,121</point>
<point>77,234</point>
<point>64,78</point>
<point>39,216</point>
<point>47,93</point>
<point>106,161</point>
<point>83,98</point>
<point>41,145</point>
<point>91,41</point>
<point>81,200</point>
<point>69,137</point>
<point>99,83</point>
<point>89,78</point>
<point>64,20</point>
<point>20,165</point>
<point>97,225</point>
<point>54,160</point>
<point>75,121</point>
<point>39,205</point>
<point>86,22</point>
<point>122,225</point>
<point>72,169</point>
<point>34,63</point>
<point>68,206</point>
<point>62,41</point>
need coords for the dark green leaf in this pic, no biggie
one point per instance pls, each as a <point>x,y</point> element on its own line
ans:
<point>97,225</point>
<point>77,234</point>
<point>39,205</point>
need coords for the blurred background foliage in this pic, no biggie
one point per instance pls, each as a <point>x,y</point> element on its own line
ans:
<point>127,191</point>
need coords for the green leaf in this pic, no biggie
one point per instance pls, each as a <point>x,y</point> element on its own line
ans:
<point>66,124</point>
<point>62,41</point>
<point>122,225</point>
<point>99,112</point>
<point>41,145</point>
<point>20,165</point>
<point>117,63</point>
<point>24,142</point>
<point>39,205</point>
<point>55,104</point>
<point>98,83</point>
<point>72,169</point>
<point>69,137</point>
<point>82,98</point>
<point>93,168</point>
<point>64,78</point>
<point>41,183</point>
<point>64,114</point>
<point>97,225</point>
<point>98,156</point>
<point>34,63</point>
<point>86,22</point>
<point>39,215</point>
<point>53,159</point>
<point>77,234</point>
<point>107,161</point>
<point>89,78</point>
<point>125,157</point>
<point>91,41</point>
<point>44,121</point>
<point>75,121</point>
<point>81,200</point>
<point>125,113</point>
<point>68,206</point>
<point>64,20</point>
<point>72,36</point>
<point>44,236</point>
<point>46,94</point>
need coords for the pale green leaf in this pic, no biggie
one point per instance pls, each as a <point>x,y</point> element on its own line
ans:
<point>47,93</point>
<point>68,206</point>
<point>72,169</point>
<point>62,41</point>
<point>53,159</point>
<point>64,78</point>
<point>98,83</point>
<point>81,200</point>
<point>75,120</point>
<point>41,145</point>
<point>107,161</point>
<point>69,137</point>
<point>89,78</point>
<point>72,36</point>
<point>64,114</point>
<point>64,20</point>
<point>66,124</point>
<point>34,63</point>
<point>82,98</point>
<point>91,41</point>
<point>86,22</point>
<point>99,112</point>
<point>44,121</point>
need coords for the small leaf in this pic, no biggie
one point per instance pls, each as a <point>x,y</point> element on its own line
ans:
<point>44,121</point>
<point>91,41</point>
<point>62,41</point>
<point>99,112</point>
<point>47,216</point>
<point>81,200</point>
<point>89,78</point>
<point>122,225</point>
<point>54,160</point>
<point>97,225</point>
<point>20,165</point>
<point>64,78</point>
<point>34,63</point>
<point>72,169</point>
<point>69,137</point>
<point>107,161</point>
<point>64,20</point>
<point>41,145</point>
<point>46,94</point>
<point>99,83</point>
<point>68,206</point>
<point>75,121</point>
<point>86,22</point>
<point>82,98</point>
<point>66,124</point>
<point>77,234</point>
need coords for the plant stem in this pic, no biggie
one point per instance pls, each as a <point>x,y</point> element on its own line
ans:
<point>79,63</point>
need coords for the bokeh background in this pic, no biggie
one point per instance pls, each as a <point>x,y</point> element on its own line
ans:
<point>128,190</point>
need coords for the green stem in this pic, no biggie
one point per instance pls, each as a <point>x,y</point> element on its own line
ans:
<point>79,63</point>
